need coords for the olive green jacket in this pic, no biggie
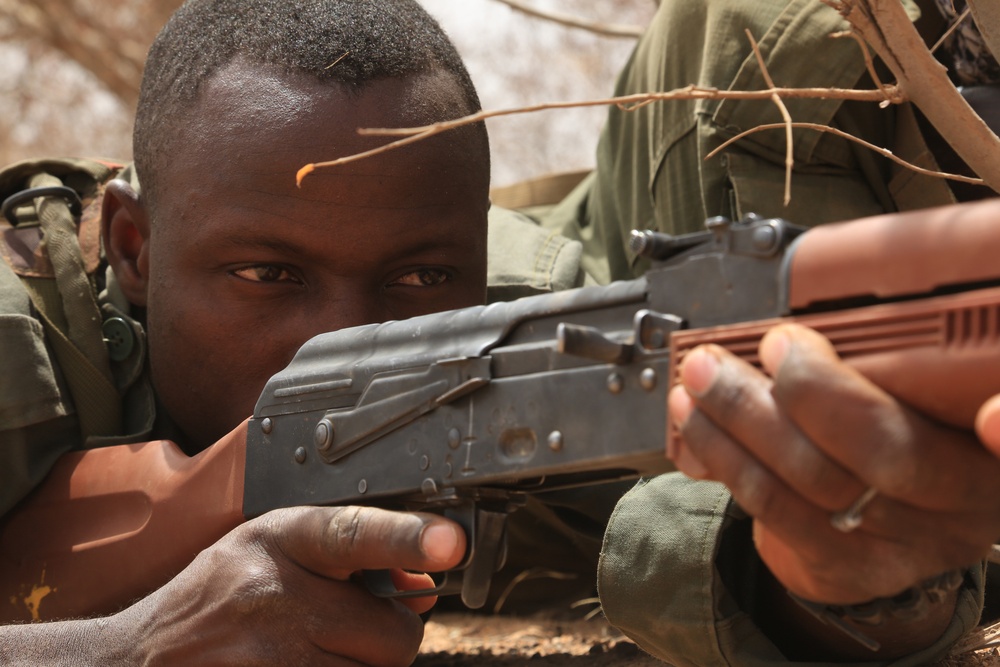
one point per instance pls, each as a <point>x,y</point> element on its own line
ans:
<point>652,166</point>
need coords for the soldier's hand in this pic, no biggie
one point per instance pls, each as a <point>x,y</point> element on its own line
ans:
<point>807,440</point>
<point>278,590</point>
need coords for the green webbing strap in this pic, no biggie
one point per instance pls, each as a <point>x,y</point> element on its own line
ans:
<point>72,318</point>
<point>98,405</point>
<point>83,317</point>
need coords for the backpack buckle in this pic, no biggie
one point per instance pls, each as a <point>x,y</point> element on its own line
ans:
<point>11,203</point>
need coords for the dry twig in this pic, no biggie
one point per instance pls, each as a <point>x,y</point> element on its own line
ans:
<point>952,28</point>
<point>789,145</point>
<point>626,102</point>
<point>892,95</point>
<point>525,575</point>
<point>885,152</point>
<point>883,24</point>
<point>980,638</point>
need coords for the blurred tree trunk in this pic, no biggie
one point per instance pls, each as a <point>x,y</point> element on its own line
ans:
<point>109,39</point>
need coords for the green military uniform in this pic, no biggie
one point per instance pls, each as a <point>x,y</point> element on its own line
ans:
<point>651,172</point>
<point>677,571</point>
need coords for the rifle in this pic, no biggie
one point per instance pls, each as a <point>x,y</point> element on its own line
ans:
<point>465,412</point>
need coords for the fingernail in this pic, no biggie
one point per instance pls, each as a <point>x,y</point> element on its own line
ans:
<point>698,371</point>
<point>988,424</point>
<point>679,407</point>
<point>439,541</point>
<point>773,350</point>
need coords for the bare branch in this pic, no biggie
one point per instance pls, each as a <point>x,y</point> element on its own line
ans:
<point>884,25</point>
<point>923,80</point>
<point>952,28</point>
<point>606,29</point>
<point>110,46</point>
<point>885,152</point>
<point>870,66</point>
<point>626,102</point>
<point>789,144</point>
<point>638,100</point>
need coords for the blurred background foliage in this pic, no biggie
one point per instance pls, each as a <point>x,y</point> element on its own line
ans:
<point>70,72</point>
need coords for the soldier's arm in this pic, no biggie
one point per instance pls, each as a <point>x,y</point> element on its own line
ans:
<point>283,580</point>
<point>800,445</point>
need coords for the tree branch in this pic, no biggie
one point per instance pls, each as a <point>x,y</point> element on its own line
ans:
<point>789,144</point>
<point>886,27</point>
<point>885,152</point>
<point>625,102</point>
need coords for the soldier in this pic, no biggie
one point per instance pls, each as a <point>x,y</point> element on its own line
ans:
<point>810,439</point>
<point>220,268</point>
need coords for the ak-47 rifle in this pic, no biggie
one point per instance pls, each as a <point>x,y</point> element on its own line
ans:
<point>464,412</point>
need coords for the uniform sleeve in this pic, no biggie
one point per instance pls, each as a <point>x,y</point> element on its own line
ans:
<point>525,259</point>
<point>659,580</point>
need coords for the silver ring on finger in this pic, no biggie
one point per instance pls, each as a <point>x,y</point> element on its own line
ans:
<point>850,519</point>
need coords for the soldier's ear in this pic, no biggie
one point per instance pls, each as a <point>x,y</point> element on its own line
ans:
<point>125,234</point>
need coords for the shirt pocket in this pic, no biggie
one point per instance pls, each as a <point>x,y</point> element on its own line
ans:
<point>29,388</point>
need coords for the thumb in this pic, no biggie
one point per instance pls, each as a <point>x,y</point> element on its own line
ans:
<point>337,541</point>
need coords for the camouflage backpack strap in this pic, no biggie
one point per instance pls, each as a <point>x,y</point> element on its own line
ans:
<point>50,230</point>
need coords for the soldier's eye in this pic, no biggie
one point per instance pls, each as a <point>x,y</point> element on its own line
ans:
<point>266,273</point>
<point>422,278</point>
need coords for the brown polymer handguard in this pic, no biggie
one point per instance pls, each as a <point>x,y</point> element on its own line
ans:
<point>929,332</point>
<point>113,524</point>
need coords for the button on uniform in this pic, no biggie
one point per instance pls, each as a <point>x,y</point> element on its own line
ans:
<point>119,338</point>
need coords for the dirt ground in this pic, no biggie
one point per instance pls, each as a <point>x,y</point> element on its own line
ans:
<point>456,639</point>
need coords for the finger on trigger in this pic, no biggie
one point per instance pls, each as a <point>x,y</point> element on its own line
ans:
<point>413,581</point>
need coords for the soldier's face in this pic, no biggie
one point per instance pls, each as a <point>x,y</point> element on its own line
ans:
<point>244,266</point>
